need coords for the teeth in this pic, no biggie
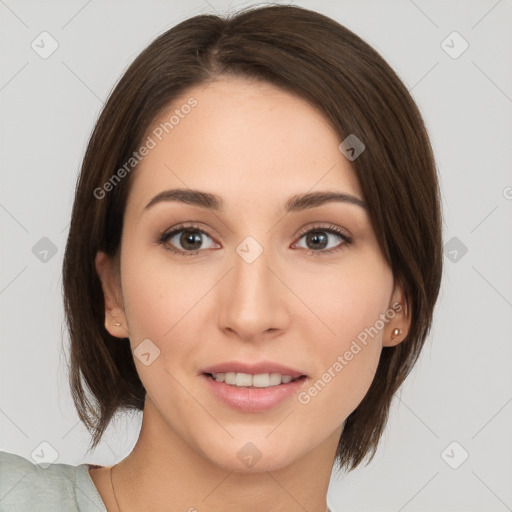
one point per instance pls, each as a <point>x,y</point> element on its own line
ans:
<point>262,380</point>
<point>243,379</point>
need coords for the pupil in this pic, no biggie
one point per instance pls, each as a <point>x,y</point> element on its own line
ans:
<point>318,237</point>
<point>188,238</point>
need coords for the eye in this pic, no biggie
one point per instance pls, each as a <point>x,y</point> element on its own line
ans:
<point>186,240</point>
<point>325,240</point>
<point>189,240</point>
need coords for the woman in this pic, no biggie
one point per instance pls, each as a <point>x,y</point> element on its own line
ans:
<point>253,261</point>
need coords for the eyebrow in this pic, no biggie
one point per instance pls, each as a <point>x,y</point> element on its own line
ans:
<point>295,203</point>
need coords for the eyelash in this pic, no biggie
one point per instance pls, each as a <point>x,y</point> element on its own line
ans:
<point>330,228</point>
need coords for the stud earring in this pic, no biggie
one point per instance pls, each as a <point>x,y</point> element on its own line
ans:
<point>396,332</point>
<point>117,324</point>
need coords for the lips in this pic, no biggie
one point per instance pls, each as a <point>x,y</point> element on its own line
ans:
<point>253,399</point>
<point>253,368</point>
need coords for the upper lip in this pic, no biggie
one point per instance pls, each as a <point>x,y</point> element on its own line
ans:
<point>253,368</point>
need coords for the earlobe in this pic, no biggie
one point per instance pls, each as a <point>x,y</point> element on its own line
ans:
<point>115,323</point>
<point>399,325</point>
<point>397,336</point>
<point>115,318</point>
<point>395,332</point>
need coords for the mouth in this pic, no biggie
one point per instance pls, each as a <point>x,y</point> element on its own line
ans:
<point>253,390</point>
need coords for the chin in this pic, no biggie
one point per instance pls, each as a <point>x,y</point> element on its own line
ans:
<point>258,456</point>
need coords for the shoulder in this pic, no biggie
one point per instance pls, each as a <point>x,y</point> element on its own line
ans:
<point>27,486</point>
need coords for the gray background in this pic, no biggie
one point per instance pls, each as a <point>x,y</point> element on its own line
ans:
<point>460,390</point>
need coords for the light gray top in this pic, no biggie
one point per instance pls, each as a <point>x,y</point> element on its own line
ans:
<point>27,487</point>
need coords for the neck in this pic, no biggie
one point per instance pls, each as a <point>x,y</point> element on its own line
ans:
<point>163,469</point>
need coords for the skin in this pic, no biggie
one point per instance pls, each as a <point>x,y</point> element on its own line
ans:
<point>255,146</point>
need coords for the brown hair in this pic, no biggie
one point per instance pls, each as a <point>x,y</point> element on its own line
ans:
<point>319,60</point>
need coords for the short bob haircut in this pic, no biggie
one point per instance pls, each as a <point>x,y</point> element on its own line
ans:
<point>317,59</point>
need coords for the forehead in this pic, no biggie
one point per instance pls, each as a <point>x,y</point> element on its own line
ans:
<point>242,140</point>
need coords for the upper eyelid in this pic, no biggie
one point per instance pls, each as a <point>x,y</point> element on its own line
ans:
<point>180,227</point>
<point>326,227</point>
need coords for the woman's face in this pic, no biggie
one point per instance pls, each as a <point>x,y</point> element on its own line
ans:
<point>253,282</point>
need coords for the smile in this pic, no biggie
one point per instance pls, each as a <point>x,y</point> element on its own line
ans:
<point>253,393</point>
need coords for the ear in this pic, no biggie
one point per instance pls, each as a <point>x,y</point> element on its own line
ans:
<point>115,318</point>
<point>401,319</point>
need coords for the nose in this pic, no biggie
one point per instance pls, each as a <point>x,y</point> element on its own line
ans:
<point>253,299</point>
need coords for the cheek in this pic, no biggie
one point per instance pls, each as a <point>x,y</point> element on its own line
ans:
<point>351,306</point>
<point>159,296</point>
<point>348,300</point>
<point>161,304</point>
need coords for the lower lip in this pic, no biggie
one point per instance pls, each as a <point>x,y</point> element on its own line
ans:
<point>254,399</point>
